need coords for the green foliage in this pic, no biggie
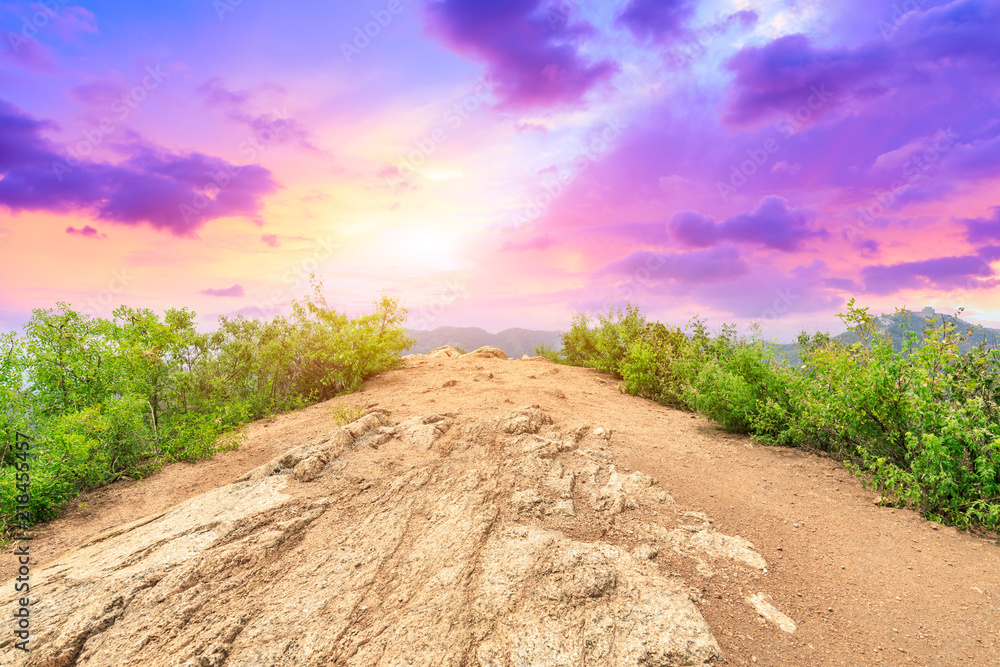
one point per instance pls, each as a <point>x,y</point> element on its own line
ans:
<point>345,414</point>
<point>741,386</point>
<point>548,352</point>
<point>578,343</point>
<point>104,398</point>
<point>921,423</point>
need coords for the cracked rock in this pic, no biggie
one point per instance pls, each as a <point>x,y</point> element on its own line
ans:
<point>452,558</point>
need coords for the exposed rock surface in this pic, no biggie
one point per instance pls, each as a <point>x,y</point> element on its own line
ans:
<point>434,540</point>
<point>761,602</point>
<point>487,352</point>
<point>445,351</point>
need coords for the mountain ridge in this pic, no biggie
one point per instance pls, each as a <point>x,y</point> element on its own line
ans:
<point>893,324</point>
<point>514,341</point>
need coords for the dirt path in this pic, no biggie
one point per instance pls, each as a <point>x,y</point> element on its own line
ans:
<point>865,585</point>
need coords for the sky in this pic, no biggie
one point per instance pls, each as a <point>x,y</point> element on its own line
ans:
<point>502,164</point>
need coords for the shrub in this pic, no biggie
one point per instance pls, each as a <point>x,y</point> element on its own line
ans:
<point>547,351</point>
<point>922,423</point>
<point>741,387</point>
<point>103,398</point>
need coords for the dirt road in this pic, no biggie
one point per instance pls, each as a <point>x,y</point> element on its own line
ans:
<point>865,585</point>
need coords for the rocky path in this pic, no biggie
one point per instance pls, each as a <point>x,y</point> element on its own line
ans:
<point>766,556</point>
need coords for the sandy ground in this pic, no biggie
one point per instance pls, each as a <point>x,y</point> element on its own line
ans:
<point>866,585</point>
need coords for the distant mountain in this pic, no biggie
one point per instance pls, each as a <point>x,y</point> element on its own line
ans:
<point>514,342</point>
<point>918,323</point>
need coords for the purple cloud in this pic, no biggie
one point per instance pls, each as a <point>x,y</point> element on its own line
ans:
<point>771,224</point>
<point>989,254</point>
<point>75,20</point>
<point>694,229</point>
<point>779,76</point>
<point>235,290</point>
<point>715,278</point>
<point>239,106</point>
<point>785,74</point>
<point>217,95</point>
<point>657,19</point>
<point>87,232</point>
<point>747,18</point>
<point>944,273</point>
<point>698,266</point>
<point>842,284</point>
<point>535,61</point>
<point>867,247</point>
<point>99,92</point>
<point>965,30</point>
<point>981,230</point>
<point>270,240</point>
<point>28,53</point>
<point>175,193</point>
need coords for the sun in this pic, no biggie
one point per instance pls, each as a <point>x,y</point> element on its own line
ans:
<point>420,247</point>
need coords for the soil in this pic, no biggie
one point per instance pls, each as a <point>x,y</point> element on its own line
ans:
<point>865,585</point>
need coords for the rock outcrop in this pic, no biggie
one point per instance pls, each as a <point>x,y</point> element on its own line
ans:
<point>443,352</point>
<point>432,540</point>
<point>486,352</point>
<point>448,352</point>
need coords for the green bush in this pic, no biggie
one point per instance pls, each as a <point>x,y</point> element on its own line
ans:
<point>922,424</point>
<point>547,351</point>
<point>104,398</point>
<point>740,387</point>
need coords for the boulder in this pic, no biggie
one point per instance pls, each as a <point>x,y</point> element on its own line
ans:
<point>486,352</point>
<point>445,351</point>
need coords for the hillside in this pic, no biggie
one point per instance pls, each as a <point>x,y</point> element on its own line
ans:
<point>893,325</point>
<point>491,512</point>
<point>514,342</point>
